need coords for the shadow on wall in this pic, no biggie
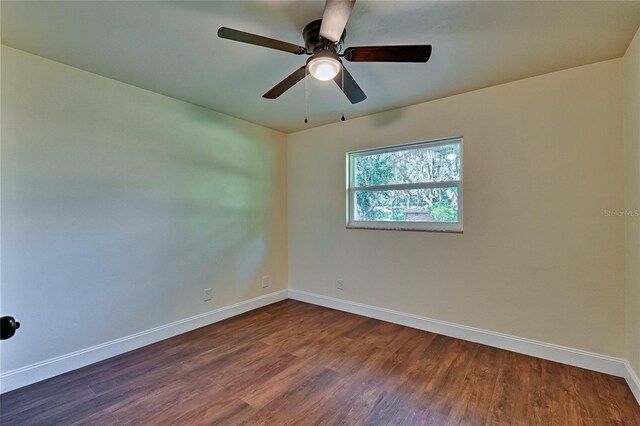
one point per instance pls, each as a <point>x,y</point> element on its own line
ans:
<point>115,218</point>
<point>224,191</point>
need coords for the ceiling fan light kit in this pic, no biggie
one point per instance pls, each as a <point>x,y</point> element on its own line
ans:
<point>324,39</point>
<point>324,65</point>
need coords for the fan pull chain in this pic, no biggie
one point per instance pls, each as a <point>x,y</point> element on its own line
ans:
<point>306,96</point>
<point>343,95</point>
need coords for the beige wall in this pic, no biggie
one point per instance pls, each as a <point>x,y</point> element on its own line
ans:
<point>632,183</point>
<point>119,206</point>
<point>539,258</point>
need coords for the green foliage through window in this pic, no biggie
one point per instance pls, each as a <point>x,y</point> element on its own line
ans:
<point>417,176</point>
<point>428,164</point>
<point>410,205</point>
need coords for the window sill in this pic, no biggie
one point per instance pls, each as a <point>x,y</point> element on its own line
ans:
<point>380,228</point>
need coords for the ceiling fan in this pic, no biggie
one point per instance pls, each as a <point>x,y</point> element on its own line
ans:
<point>324,40</point>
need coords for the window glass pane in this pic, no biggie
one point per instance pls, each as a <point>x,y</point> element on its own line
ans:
<point>439,163</point>
<point>407,205</point>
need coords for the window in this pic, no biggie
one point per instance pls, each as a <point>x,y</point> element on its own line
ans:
<point>413,187</point>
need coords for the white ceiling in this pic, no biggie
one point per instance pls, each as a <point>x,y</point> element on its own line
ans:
<point>172,48</point>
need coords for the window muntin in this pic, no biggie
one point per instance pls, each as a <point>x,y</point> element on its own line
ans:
<point>414,187</point>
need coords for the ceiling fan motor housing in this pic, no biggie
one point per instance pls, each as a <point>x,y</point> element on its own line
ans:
<point>313,41</point>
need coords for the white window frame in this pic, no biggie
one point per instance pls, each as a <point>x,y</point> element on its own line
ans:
<point>351,190</point>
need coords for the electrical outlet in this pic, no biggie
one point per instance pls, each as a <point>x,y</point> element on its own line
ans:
<point>340,284</point>
<point>207,294</point>
<point>265,281</point>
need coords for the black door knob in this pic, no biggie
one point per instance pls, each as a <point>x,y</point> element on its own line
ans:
<point>8,327</point>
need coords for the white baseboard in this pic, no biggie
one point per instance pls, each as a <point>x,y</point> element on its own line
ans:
<point>579,358</point>
<point>633,381</point>
<point>33,373</point>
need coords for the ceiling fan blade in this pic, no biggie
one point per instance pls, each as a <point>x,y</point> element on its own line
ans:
<point>334,19</point>
<point>241,36</point>
<point>405,53</point>
<point>351,89</point>
<point>287,83</point>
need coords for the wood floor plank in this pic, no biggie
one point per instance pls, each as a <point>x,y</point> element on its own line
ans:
<point>296,363</point>
<point>505,408</point>
<point>481,379</point>
<point>164,396</point>
<point>245,382</point>
<point>276,386</point>
<point>292,407</point>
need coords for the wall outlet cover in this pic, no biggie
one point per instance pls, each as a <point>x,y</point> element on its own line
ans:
<point>207,294</point>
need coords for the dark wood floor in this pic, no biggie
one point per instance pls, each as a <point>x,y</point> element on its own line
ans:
<point>295,363</point>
